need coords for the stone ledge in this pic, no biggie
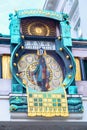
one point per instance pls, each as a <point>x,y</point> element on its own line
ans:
<point>23,116</point>
<point>71,95</point>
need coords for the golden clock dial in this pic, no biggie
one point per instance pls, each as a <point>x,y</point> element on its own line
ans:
<point>38,28</point>
<point>31,61</point>
<point>22,64</point>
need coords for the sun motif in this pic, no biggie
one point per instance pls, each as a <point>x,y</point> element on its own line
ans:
<point>38,28</point>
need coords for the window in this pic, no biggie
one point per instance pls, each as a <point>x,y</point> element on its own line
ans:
<point>85,68</point>
<point>6,74</point>
<point>78,29</point>
<point>78,69</point>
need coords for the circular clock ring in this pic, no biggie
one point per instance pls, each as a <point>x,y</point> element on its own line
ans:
<point>20,66</point>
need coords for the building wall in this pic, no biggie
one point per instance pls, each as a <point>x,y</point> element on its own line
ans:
<point>4,108</point>
<point>83,16</point>
<point>5,93</point>
<point>76,9</point>
<point>71,8</point>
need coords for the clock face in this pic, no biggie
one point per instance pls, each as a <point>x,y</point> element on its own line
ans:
<point>40,73</point>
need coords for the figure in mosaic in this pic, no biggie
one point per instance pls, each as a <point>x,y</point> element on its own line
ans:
<point>41,73</point>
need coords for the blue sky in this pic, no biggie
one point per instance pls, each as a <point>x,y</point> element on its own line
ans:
<point>8,6</point>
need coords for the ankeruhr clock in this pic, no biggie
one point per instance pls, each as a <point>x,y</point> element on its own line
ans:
<point>41,61</point>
